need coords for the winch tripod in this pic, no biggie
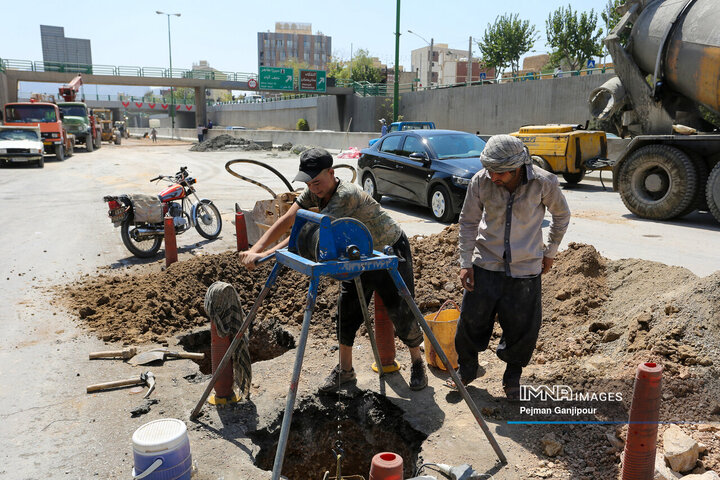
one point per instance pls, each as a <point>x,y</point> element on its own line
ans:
<point>344,251</point>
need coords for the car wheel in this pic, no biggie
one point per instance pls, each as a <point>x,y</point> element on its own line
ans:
<point>441,204</point>
<point>41,162</point>
<point>370,187</point>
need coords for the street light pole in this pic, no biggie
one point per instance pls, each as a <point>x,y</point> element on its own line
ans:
<point>172,93</point>
<point>396,95</point>
<point>430,57</point>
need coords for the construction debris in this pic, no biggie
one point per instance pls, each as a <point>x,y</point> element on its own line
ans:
<point>225,142</point>
<point>681,451</point>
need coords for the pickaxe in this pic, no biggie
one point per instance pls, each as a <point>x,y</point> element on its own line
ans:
<point>146,378</point>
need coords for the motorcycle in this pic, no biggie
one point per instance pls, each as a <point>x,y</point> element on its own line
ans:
<point>141,217</point>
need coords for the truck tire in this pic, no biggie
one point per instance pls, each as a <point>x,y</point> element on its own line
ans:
<point>658,182</point>
<point>89,145</point>
<point>712,192</point>
<point>59,153</point>
<point>98,142</point>
<point>573,178</point>
<point>71,151</point>
<point>703,171</point>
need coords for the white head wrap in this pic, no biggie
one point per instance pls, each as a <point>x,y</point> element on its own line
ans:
<point>504,153</point>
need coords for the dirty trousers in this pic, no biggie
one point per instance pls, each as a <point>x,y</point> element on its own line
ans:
<point>350,316</point>
<point>517,303</point>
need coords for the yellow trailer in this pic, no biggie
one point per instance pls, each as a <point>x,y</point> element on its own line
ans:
<point>566,149</point>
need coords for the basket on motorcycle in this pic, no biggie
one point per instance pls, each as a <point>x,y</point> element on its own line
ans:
<point>146,208</point>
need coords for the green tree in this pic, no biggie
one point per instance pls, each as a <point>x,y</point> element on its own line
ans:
<point>338,68</point>
<point>574,39</point>
<point>610,15</point>
<point>362,68</point>
<point>505,41</point>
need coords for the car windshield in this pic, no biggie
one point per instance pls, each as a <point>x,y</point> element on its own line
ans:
<point>456,145</point>
<point>74,111</point>
<point>19,134</point>
<point>30,114</point>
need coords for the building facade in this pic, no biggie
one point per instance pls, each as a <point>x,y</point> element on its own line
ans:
<point>59,49</point>
<point>449,65</point>
<point>293,41</point>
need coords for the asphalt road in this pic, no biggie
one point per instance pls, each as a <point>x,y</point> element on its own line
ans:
<point>55,229</point>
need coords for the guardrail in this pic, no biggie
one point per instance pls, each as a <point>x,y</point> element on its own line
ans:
<point>123,70</point>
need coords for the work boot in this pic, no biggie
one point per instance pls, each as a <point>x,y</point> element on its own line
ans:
<point>511,382</point>
<point>337,377</point>
<point>418,378</point>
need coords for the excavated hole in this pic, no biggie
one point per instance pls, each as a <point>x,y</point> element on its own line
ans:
<point>369,424</point>
<point>268,339</point>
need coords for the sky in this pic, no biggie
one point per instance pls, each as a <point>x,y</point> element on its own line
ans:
<point>224,33</point>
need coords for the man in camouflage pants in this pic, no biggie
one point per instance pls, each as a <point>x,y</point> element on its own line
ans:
<point>339,199</point>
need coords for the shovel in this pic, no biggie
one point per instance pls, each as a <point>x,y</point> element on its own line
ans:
<point>159,354</point>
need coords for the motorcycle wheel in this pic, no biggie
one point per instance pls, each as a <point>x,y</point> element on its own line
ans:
<point>142,249</point>
<point>207,220</point>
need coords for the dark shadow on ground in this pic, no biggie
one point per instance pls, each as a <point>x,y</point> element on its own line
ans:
<point>697,219</point>
<point>133,260</point>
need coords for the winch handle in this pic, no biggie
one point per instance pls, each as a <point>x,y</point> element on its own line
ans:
<point>311,216</point>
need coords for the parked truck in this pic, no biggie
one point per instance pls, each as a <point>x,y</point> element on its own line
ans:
<point>56,139</point>
<point>77,117</point>
<point>108,132</point>
<point>666,60</point>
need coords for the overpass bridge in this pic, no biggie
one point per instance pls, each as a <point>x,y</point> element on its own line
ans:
<point>16,71</point>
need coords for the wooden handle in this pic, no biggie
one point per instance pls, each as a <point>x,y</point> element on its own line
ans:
<point>115,384</point>
<point>124,353</point>
<point>190,355</point>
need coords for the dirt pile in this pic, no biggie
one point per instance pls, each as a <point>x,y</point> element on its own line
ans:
<point>226,142</point>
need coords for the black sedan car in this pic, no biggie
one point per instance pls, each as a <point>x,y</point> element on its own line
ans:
<point>428,167</point>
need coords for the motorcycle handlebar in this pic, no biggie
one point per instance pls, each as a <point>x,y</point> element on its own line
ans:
<point>156,178</point>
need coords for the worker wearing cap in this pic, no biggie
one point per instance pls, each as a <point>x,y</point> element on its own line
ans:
<point>383,128</point>
<point>338,199</point>
<point>502,256</point>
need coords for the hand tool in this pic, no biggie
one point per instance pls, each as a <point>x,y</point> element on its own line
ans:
<point>160,354</point>
<point>125,353</point>
<point>146,378</point>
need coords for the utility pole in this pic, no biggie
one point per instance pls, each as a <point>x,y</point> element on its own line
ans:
<point>172,93</point>
<point>430,63</point>
<point>468,77</point>
<point>396,96</point>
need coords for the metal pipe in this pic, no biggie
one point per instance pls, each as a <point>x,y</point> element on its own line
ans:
<point>405,293</point>
<point>238,336</point>
<point>292,393</point>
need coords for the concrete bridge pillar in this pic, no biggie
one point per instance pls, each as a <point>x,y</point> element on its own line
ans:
<point>200,106</point>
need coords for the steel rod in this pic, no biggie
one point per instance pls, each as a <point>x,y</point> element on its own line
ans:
<point>238,337</point>
<point>371,334</point>
<point>292,393</point>
<point>405,293</point>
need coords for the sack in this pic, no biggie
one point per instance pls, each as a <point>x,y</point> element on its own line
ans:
<point>146,208</point>
<point>443,325</point>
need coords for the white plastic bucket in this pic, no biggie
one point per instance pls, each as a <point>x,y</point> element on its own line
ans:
<point>161,451</point>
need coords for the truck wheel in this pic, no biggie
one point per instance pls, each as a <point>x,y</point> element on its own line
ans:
<point>71,150</point>
<point>89,145</point>
<point>59,153</point>
<point>712,192</point>
<point>658,182</point>
<point>542,163</point>
<point>98,142</point>
<point>41,162</point>
<point>702,171</point>
<point>574,178</point>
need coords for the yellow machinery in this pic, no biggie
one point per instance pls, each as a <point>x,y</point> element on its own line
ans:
<point>108,133</point>
<point>566,149</point>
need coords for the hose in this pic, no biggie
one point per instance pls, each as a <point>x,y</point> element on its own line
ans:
<point>279,175</point>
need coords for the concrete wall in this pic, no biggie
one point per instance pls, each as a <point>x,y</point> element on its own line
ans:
<point>503,108</point>
<point>332,140</point>
<point>283,114</point>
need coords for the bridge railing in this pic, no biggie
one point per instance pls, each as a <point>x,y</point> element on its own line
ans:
<point>123,70</point>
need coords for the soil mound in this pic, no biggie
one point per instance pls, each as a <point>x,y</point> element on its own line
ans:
<point>228,142</point>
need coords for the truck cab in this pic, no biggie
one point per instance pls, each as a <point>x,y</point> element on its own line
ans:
<point>78,121</point>
<point>47,117</point>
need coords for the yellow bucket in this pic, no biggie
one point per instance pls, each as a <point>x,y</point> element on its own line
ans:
<point>443,324</point>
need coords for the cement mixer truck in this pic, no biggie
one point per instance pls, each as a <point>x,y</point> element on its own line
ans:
<point>667,60</point>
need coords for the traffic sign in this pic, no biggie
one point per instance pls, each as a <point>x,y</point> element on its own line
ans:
<point>591,63</point>
<point>313,81</point>
<point>252,84</point>
<point>276,78</point>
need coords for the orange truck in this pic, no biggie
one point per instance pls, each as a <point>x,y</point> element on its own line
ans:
<point>56,139</point>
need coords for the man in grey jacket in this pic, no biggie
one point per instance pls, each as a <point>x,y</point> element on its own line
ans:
<point>502,256</point>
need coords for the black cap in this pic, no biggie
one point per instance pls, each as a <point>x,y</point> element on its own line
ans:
<point>312,162</point>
